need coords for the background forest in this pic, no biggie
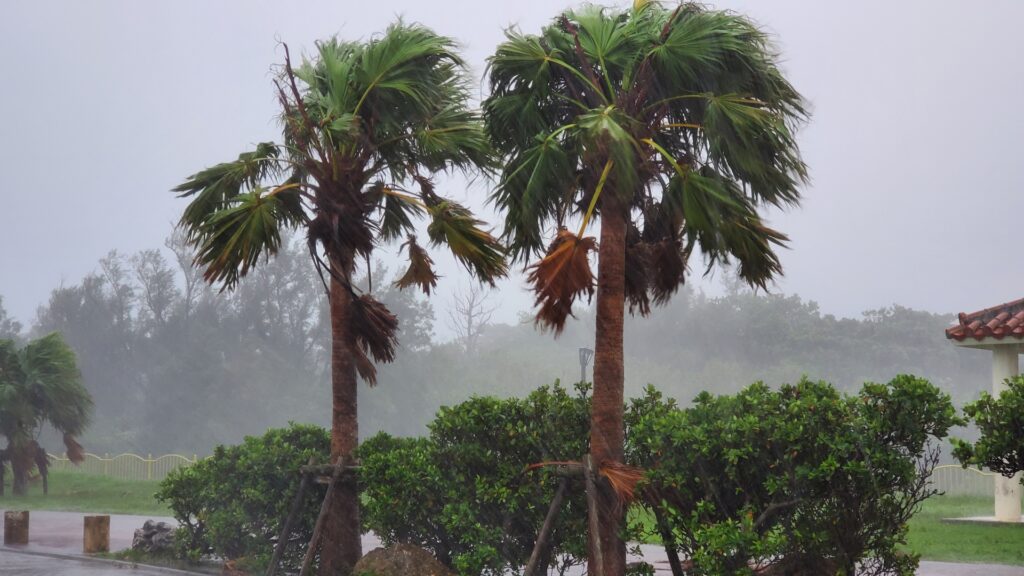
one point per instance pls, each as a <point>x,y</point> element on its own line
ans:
<point>176,366</point>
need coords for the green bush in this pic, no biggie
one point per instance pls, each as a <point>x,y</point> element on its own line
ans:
<point>1000,419</point>
<point>464,492</point>
<point>802,479</point>
<point>232,504</point>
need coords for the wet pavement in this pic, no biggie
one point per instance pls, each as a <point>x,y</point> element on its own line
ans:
<point>23,564</point>
<point>55,539</point>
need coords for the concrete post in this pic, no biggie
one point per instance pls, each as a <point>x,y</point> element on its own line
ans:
<point>96,537</point>
<point>1005,364</point>
<point>15,527</point>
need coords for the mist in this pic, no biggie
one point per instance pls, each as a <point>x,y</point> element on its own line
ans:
<point>174,365</point>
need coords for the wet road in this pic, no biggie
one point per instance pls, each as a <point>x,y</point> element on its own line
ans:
<point>12,563</point>
<point>61,533</point>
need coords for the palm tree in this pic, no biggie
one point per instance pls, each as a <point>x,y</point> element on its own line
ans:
<point>39,384</point>
<point>672,127</point>
<point>366,126</point>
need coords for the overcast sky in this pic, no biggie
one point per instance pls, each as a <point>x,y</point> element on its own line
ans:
<point>913,148</point>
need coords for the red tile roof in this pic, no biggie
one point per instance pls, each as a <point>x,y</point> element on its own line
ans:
<point>996,322</point>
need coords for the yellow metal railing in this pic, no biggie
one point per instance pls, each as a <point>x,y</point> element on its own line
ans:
<point>125,466</point>
<point>949,478</point>
<point>956,480</point>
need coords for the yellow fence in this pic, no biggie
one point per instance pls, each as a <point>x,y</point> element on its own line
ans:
<point>950,478</point>
<point>125,466</point>
<point>955,480</point>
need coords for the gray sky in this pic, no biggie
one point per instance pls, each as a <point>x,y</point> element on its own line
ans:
<point>913,147</point>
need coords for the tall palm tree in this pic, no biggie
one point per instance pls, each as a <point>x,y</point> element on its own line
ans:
<point>366,126</point>
<point>670,126</point>
<point>39,384</point>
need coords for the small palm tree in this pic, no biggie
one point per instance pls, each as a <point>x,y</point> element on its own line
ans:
<point>39,384</point>
<point>669,126</point>
<point>366,126</point>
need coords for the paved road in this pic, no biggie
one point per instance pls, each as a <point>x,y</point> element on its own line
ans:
<point>61,533</point>
<point>32,565</point>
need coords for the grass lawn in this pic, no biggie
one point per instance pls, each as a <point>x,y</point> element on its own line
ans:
<point>936,540</point>
<point>79,492</point>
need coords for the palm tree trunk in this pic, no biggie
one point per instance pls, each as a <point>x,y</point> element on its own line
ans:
<point>606,425</point>
<point>20,470</point>
<point>340,546</point>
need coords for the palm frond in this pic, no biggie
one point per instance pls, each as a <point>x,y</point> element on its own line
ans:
<point>73,450</point>
<point>455,226</point>
<point>231,241</point>
<point>533,187</point>
<point>55,385</point>
<point>375,330</point>
<point>215,187</point>
<point>561,277</point>
<point>421,268</point>
<point>623,480</point>
<point>637,273</point>
<point>720,219</point>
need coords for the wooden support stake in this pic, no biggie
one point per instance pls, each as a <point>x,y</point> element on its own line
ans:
<point>307,562</point>
<point>286,526</point>
<point>595,524</point>
<point>545,530</point>
<point>15,527</point>
<point>96,537</point>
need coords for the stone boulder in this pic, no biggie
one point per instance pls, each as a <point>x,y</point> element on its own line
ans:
<point>154,537</point>
<point>400,560</point>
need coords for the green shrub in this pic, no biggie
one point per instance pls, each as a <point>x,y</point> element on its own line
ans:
<point>1000,419</point>
<point>799,478</point>
<point>464,493</point>
<point>232,504</point>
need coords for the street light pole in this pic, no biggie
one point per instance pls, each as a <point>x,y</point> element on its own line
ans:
<point>585,355</point>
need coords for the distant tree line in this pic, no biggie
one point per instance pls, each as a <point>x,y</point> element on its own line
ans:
<point>177,366</point>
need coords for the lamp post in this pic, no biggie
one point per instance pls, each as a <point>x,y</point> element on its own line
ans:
<point>585,355</point>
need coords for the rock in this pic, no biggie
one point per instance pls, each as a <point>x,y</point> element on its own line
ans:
<point>153,537</point>
<point>400,560</point>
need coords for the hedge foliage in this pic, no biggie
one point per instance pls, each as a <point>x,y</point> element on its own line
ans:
<point>463,492</point>
<point>231,504</point>
<point>799,479</point>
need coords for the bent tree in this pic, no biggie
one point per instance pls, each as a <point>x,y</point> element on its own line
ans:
<point>39,384</point>
<point>366,126</point>
<point>669,126</point>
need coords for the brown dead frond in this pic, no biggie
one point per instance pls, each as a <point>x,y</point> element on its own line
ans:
<point>637,277</point>
<point>623,480</point>
<point>75,452</point>
<point>421,268</point>
<point>668,269</point>
<point>553,463</point>
<point>561,277</point>
<point>375,330</point>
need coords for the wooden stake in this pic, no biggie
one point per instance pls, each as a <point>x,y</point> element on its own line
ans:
<point>307,562</point>
<point>15,527</point>
<point>545,530</point>
<point>96,537</point>
<point>595,525</point>
<point>286,526</point>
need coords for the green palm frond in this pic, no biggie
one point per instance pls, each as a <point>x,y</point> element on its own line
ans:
<point>231,241</point>
<point>213,187</point>
<point>41,384</point>
<point>454,226</point>
<point>686,105</point>
<point>721,220</point>
<point>533,188</point>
